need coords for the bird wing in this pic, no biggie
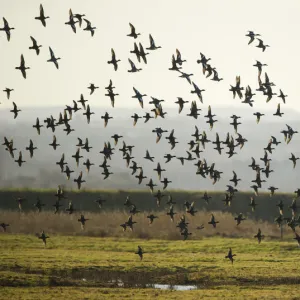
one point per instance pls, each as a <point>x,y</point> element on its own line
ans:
<point>266,78</point>
<point>41,10</point>
<point>195,86</point>
<point>260,42</point>
<point>88,23</point>
<point>151,40</point>
<point>51,52</point>
<point>22,60</point>
<point>136,49</point>
<point>141,48</point>
<point>113,54</point>
<point>5,22</point>
<point>33,40</point>
<point>173,60</point>
<point>56,64</point>
<point>131,63</point>
<point>251,39</point>
<point>172,134</point>
<point>136,91</point>
<point>132,27</point>
<point>178,54</point>
<point>158,137</point>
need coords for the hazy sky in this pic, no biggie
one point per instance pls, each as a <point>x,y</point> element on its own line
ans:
<point>215,28</point>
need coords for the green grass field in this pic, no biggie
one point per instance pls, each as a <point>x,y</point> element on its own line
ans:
<point>100,261</point>
<point>83,267</point>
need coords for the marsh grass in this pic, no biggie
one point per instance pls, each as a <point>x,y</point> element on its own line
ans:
<point>220,292</point>
<point>90,268</point>
<point>107,224</point>
<point>87,264</point>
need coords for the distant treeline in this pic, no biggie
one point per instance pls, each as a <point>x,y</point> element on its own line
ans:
<point>266,209</point>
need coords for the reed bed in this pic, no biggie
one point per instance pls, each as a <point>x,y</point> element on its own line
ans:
<point>107,224</point>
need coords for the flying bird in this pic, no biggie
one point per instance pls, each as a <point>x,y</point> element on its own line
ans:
<point>252,36</point>
<point>133,67</point>
<point>152,44</point>
<point>7,29</point>
<point>262,45</point>
<point>139,96</point>
<point>113,60</point>
<point>8,91</point>
<point>15,110</point>
<point>89,27</point>
<point>230,255</point>
<point>42,17</point>
<point>71,21</point>
<point>132,32</point>
<point>22,67</point>
<point>53,58</point>
<point>35,46</point>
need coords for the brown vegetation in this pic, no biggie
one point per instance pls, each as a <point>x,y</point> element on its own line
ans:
<point>107,224</point>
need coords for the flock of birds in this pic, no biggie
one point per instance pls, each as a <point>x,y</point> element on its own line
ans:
<point>196,145</point>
